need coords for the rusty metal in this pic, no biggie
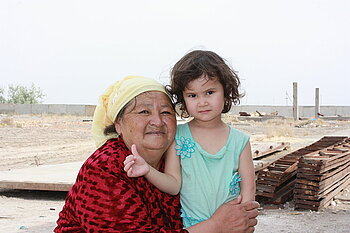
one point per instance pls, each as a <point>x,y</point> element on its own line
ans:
<point>272,149</point>
<point>275,183</point>
<point>321,176</point>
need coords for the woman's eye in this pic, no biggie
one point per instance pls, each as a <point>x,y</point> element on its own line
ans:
<point>144,112</point>
<point>167,113</point>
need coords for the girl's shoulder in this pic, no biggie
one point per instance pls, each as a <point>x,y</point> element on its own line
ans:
<point>238,134</point>
<point>182,128</point>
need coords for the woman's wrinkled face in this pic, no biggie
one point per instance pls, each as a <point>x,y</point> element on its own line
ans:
<point>149,122</point>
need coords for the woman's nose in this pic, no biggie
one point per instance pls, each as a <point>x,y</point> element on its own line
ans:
<point>156,119</point>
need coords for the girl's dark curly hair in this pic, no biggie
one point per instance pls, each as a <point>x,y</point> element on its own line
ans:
<point>197,63</point>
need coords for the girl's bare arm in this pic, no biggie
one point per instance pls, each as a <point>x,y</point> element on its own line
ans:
<point>247,173</point>
<point>169,181</point>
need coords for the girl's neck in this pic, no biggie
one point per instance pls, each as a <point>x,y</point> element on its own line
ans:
<point>215,123</point>
<point>203,133</point>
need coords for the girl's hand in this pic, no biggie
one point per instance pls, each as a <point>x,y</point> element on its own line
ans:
<point>135,165</point>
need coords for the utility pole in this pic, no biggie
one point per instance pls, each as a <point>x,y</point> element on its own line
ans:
<point>286,98</point>
<point>295,101</point>
<point>317,102</point>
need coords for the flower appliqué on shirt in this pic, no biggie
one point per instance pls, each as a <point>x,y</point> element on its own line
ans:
<point>234,185</point>
<point>184,147</point>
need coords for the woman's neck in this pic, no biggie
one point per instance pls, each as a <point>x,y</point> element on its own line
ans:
<point>152,157</point>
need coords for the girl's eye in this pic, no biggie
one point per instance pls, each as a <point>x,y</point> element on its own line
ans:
<point>210,92</point>
<point>191,95</point>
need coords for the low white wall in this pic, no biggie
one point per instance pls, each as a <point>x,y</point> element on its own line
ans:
<point>88,110</point>
<point>59,109</point>
<point>287,111</point>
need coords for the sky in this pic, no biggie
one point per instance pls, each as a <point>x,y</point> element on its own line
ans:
<point>74,49</point>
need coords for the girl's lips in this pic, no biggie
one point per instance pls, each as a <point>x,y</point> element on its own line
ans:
<point>204,111</point>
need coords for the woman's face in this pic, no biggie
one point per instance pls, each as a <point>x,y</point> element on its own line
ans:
<point>148,122</point>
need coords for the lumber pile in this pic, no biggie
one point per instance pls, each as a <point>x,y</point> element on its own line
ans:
<point>258,154</point>
<point>275,184</point>
<point>263,158</point>
<point>321,176</point>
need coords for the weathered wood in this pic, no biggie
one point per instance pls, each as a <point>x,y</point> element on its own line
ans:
<point>271,150</point>
<point>57,186</point>
<point>316,205</point>
<point>301,206</point>
<point>315,188</point>
<point>59,177</point>
<point>303,183</point>
<point>271,180</point>
<point>326,163</point>
<point>274,191</point>
<point>322,176</point>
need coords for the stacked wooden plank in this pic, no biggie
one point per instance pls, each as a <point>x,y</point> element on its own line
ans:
<point>258,154</point>
<point>321,176</point>
<point>263,157</point>
<point>275,183</point>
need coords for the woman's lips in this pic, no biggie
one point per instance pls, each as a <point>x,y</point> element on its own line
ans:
<point>155,132</point>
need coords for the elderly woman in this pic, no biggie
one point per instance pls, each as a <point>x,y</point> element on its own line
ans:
<point>135,110</point>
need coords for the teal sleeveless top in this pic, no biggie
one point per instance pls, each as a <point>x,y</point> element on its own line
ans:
<point>208,180</point>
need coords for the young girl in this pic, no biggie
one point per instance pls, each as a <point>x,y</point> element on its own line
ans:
<point>216,162</point>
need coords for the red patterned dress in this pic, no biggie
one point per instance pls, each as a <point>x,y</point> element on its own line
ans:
<point>105,199</point>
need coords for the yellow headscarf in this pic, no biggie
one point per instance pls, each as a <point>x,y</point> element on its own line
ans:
<point>114,99</point>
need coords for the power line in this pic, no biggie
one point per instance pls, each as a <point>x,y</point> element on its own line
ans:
<point>288,98</point>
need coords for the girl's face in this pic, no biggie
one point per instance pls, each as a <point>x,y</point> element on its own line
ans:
<point>204,98</point>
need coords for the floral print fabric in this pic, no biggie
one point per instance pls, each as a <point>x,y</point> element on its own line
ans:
<point>184,147</point>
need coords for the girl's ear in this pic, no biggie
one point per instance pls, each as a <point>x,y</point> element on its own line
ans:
<point>227,105</point>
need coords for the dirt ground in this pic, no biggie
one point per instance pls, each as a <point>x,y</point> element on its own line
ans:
<point>34,140</point>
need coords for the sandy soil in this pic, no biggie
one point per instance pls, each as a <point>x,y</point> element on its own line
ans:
<point>28,140</point>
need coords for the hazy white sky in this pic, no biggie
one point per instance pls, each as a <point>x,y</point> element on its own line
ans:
<point>73,49</point>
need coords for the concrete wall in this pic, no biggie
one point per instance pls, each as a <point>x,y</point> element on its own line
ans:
<point>88,110</point>
<point>287,111</point>
<point>59,109</point>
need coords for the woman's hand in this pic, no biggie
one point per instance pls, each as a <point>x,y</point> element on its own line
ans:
<point>230,217</point>
<point>135,165</point>
<point>237,216</point>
